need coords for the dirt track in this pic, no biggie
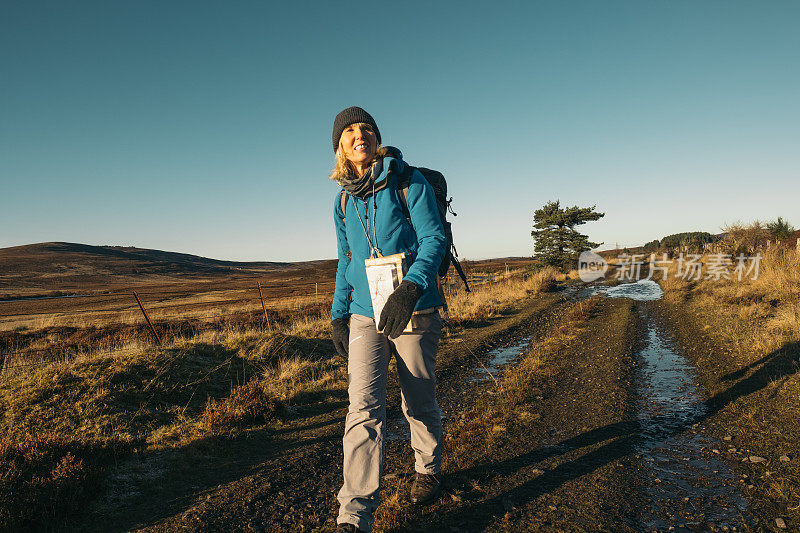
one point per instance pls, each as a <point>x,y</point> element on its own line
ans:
<point>570,459</point>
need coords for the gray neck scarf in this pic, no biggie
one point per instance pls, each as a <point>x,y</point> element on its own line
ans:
<point>361,186</point>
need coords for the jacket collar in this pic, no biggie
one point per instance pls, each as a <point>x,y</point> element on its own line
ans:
<point>392,164</point>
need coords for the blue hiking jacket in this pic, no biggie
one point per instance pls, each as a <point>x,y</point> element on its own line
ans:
<point>424,244</point>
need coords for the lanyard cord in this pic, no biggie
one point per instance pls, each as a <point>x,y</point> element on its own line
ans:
<point>373,249</point>
<point>374,207</point>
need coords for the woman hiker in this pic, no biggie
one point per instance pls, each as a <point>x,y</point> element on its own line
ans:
<point>374,224</point>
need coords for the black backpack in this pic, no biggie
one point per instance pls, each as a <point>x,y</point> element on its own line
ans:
<point>439,185</point>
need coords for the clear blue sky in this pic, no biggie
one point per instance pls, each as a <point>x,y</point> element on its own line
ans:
<point>205,127</point>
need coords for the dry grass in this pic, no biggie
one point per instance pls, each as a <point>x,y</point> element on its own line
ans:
<point>101,310</point>
<point>779,277</point>
<point>60,343</point>
<point>741,238</point>
<point>571,275</point>
<point>218,383</point>
<point>46,477</point>
<point>487,301</point>
<point>247,404</point>
<point>182,308</point>
<point>760,315</point>
<point>133,396</point>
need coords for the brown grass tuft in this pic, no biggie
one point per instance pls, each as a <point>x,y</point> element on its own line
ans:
<point>46,478</point>
<point>586,309</point>
<point>487,301</point>
<point>248,404</point>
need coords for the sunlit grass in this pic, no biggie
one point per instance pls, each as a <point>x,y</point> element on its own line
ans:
<point>137,396</point>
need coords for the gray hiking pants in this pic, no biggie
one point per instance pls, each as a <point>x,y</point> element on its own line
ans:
<point>367,368</point>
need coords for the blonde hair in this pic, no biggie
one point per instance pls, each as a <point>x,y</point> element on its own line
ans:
<point>343,167</point>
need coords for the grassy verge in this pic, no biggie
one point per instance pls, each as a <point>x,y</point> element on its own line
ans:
<point>63,424</point>
<point>744,337</point>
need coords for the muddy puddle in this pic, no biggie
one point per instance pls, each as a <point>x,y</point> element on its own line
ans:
<point>685,487</point>
<point>489,368</point>
<point>498,358</point>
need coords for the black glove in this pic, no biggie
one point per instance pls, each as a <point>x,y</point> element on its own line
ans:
<point>398,308</point>
<point>341,336</point>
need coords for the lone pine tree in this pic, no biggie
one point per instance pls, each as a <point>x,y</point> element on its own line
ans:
<point>557,242</point>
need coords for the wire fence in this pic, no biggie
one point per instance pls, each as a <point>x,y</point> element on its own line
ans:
<point>18,348</point>
<point>164,296</point>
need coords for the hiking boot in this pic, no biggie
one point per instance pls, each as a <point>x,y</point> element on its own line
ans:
<point>426,488</point>
<point>347,528</point>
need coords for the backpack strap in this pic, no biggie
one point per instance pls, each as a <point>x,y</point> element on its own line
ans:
<point>458,268</point>
<point>343,204</point>
<point>403,182</point>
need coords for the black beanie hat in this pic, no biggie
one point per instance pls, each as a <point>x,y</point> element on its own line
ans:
<point>352,115</point>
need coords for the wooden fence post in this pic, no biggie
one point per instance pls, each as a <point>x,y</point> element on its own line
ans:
<point>138,301</point>
<point>264,307</point>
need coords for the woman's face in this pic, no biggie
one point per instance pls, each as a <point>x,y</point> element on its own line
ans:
<point>359,143</point>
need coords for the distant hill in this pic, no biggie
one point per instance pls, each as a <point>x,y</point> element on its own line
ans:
<point>58,264</point>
